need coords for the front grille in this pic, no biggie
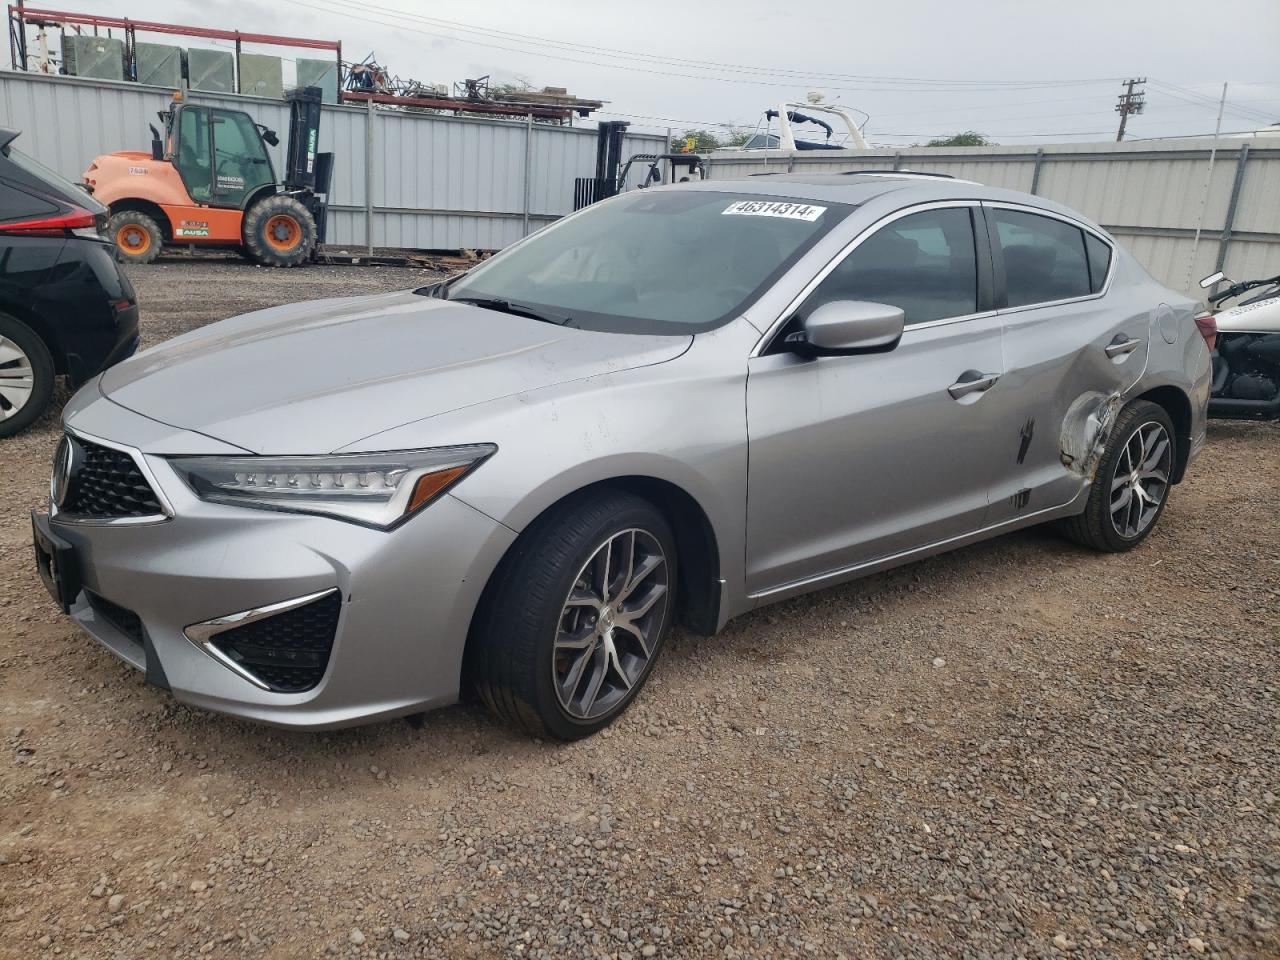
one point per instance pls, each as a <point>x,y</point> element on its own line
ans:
<point>109,485</point>
<point>123,619</point>
<point>289,651</point>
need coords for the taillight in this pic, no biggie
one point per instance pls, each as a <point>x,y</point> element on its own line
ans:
<point>1207,324</point>
<point>58,226</point>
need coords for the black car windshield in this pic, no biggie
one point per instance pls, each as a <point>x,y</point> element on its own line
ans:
<point>655,261</point>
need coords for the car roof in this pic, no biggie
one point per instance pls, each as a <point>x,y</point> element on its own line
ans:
<point>858,187</point>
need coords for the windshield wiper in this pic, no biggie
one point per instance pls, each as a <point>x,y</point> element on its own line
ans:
<point>515,309</point>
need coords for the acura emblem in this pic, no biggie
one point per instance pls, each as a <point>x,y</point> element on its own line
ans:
<point>66,464</point>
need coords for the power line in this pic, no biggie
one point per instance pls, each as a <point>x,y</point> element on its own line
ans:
<point>595,49</point>
<point>1185,94</point>
<point>402,20</point>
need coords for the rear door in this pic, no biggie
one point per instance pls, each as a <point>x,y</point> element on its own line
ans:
<point>1069,352</point>
<point>858,458</point>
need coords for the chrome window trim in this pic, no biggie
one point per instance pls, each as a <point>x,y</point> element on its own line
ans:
<point>1072,221</point>
<point>140,461</point>
<point>772,330</point>
<point>201,634</point>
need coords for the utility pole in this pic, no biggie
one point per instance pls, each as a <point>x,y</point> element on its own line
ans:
<point>1131,101</point>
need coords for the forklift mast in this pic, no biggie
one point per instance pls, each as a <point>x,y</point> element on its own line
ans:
<point>304,138</point>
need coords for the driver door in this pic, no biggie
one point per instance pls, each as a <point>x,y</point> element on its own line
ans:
<point>855,459</point>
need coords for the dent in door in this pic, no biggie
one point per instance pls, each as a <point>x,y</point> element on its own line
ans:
<point>1086,429</point>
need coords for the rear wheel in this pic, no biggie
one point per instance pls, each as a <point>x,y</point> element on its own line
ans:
<point>1132,482</point>
<point>137,236</point>
<point>26,376</point>
<point>279,232</point>
<point>574,621</point>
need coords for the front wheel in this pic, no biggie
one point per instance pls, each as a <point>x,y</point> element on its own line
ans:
<point>279,232</point>
<point>1131,485</point>
<point>573,623</point>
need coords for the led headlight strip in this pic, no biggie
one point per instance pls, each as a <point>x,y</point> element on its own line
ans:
<point>374,489</point>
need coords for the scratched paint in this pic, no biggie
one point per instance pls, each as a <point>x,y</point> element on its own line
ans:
<point>1024,442</point>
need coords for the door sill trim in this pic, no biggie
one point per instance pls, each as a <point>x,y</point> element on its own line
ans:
<point>817,580</point>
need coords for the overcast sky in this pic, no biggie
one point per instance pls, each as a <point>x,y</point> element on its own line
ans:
<point>1019,71</point>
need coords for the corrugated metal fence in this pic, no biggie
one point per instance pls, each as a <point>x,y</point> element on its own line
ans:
<point>1152,196</point>
<point>406,180</point>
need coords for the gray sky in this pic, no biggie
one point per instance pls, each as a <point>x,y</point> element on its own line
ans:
<point>1020,71</point>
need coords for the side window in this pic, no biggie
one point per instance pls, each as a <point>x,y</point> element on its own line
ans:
<point>924,263</point>
<point>1044,258</point>
<point>1099,255</point>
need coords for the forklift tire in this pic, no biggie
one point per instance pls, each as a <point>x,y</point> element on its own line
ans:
<point>138,238</point>
<point>279,232</point>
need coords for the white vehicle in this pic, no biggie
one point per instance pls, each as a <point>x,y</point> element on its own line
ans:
<point>788,115</point>
<point>1246,361</point>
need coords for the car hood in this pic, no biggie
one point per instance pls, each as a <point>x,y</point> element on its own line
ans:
<point>314,377</point>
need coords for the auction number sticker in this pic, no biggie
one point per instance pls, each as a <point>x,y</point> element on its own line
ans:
<point>774,208</point>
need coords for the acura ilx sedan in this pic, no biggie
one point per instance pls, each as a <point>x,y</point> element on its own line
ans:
<point>678,404</point>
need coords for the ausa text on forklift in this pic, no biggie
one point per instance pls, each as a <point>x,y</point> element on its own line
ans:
<point>210,182</point>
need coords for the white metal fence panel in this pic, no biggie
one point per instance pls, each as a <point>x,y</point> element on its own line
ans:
<point>1153,197</point>
<point>422,181</point>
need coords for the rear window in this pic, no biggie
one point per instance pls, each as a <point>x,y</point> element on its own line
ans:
<point>56,183</point>
<point>17,204</point>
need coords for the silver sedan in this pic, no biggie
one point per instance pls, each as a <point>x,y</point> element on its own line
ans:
<point>681,403</point>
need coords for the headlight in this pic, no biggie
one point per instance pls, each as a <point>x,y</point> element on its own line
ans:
<point>374,489</point>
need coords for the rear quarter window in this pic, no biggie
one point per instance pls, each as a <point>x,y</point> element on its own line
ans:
<point>1099,255</point>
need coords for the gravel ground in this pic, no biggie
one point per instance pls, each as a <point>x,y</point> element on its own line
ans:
<point>1016,750</point>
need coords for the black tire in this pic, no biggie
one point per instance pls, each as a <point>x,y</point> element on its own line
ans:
<point>15,416</point>
<point>1095,527</point>
<point>138,238</point>
<point>511,657</point>
<point>279,232</point>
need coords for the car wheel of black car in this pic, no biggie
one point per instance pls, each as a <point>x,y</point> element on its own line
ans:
<point>573,623</point>
<point>26,376</point>
<point>279,232</point>
<point>138,237</point>
<point>1132,483</point>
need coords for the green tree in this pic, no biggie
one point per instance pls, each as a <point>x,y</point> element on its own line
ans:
<point>704,141</point>
<point>969,138</point>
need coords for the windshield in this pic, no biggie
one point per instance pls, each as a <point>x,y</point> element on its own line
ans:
<point>655,261</point>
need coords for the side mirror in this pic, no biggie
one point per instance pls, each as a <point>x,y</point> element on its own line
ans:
<point>1212,280</point>
<point>270,137</point>
<point>849,326</point>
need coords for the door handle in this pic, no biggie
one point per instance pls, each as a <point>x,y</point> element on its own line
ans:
<point>972,381</point>
<point>1122,346</point>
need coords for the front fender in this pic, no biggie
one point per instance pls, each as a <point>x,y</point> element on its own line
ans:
<point>682,422</point>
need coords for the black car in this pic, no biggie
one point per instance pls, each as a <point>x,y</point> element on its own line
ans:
<point>66,307</point>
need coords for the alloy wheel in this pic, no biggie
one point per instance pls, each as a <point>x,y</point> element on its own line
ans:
<point>17,379</point>
<point>1141,479</point>
<point>610,624</point>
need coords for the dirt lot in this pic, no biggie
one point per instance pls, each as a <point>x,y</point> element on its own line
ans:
<point>1017,750</point>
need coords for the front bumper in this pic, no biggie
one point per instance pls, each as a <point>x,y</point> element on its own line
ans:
<point>407,599</point>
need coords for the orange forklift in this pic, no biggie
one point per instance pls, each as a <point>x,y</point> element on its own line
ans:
<point>209,182</point>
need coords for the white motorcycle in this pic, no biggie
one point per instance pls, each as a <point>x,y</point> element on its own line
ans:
<point>1246,356</point>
